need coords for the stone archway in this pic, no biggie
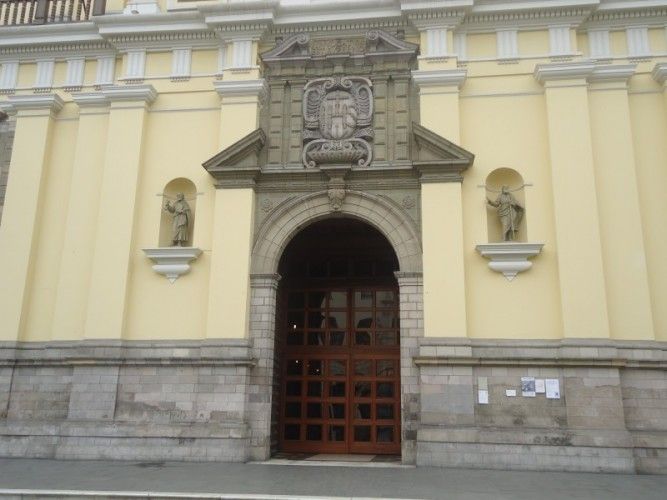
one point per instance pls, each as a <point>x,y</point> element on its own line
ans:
<point>270,241</point>
<point>287,220</point>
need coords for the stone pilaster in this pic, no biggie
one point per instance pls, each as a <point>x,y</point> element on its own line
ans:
<point>579,250</point>
<point>29,166</point>
<point>117,201</point>
<point>442,211</point>
<point>263,291</point>
<point>411,296</point>
<point>81,216</point>
<point>615,173</point>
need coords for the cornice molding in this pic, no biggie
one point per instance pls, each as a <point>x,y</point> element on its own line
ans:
<point>250,88</point>
<point>612,73</point>
<point>209,24</point>
<point>563,71</point>
<point>115,93</point>
<point>90,99</point>
<point>442,77</point>
<point>50,102</point>
<point>659,73</point>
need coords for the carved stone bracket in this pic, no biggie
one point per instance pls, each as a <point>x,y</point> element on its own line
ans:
<point>510,258</point>
<point>337,187</point>
<point>172,262</point>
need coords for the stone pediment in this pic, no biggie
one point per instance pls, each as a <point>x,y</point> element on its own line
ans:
<point>300,49</point>
<point>239,162</point>
<point>436,158</point>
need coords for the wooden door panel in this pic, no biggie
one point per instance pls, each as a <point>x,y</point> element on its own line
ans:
<point>341,380</point>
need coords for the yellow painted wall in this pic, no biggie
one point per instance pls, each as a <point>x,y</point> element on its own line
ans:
<point>511,310</point>
<point>500,114</point>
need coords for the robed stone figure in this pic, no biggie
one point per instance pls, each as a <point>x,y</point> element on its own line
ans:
<point>181,223</point>
<point>509,211</point>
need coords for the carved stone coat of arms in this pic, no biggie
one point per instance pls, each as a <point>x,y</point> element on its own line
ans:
<point>337,115</point>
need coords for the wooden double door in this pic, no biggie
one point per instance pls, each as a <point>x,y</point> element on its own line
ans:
<point>340,380</point>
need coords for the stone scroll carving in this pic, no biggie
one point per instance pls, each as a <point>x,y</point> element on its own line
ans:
<point>337,121</point>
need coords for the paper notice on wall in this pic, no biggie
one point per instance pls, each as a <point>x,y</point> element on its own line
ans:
<point>540,386</point>
<point>510,393</point>
<point>528,387</point>
<point>552,388</point>
<point>483,397</point>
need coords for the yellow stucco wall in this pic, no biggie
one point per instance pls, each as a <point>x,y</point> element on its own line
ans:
<point>501,114</point>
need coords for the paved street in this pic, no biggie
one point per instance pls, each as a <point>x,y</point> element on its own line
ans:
<point>294,481</point>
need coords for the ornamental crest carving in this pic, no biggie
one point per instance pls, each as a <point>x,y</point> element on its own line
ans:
<point>337,121</point>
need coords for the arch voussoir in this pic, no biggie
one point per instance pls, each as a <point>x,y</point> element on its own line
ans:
<point>287,220</point>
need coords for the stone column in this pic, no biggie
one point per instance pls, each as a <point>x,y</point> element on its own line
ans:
<point>117,201</point>
<point>28,171</point>
<point>261,382</point>
<point>442,211</point>
<point>578,245</point>
<point>411,292</point>
<point>623,254</point>
<point>81,216</point>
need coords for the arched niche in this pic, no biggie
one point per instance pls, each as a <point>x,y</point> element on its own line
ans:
<point>175,186</point>
<point>494,182</point>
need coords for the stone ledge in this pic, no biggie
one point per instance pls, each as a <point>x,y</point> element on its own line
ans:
<point>116,429</point>
<point>223,352</point>
<point>528,436</point>
<point>565,352</point>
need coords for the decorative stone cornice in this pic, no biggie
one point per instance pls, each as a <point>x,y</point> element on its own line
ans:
<point>659,73</point>
<point>246,88</point>
<point>238,165</point>
<point>90,99</point>
<point>563,71</point>
<point>442,77</point>
<point>510,257</point>
<point>612,73</point>
<point>45,102</point>
<point>437,159</point>
<point>145,93</point>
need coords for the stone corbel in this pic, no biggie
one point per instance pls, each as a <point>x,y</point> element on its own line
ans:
<point>172,262</point>
<point>509,258</point>
<point>336,188</point>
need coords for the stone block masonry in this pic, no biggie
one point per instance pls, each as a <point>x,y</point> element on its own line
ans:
<point>212,400</point>
<point>611,415</point>
<point>125,400</point>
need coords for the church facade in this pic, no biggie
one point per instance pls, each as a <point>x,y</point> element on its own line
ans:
<point>432,230</point>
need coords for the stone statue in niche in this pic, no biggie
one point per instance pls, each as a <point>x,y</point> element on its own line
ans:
<point>337,117</point>
<point>509,211</point>
<point>180,209</point>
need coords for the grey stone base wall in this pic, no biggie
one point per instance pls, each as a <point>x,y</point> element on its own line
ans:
<point>611,416</point>
<point>119,400</point>
<point>212,401</point>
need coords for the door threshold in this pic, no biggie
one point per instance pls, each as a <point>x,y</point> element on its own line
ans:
<point>335,460</point>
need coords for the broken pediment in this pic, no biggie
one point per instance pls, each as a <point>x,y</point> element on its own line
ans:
<point>239,162</point>
<point>436,158</point>
<point>374,45</point>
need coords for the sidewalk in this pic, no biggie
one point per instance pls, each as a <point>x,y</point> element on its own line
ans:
<point>308,481</point>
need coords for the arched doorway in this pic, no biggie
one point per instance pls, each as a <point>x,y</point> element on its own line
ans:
<point>338,342</point>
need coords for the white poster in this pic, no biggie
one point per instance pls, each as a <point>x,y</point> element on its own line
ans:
<point>553,388</point>
<point>483,397</point>
<point>510,393</point>
<point>528,387</point>
<point>540,386</point>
